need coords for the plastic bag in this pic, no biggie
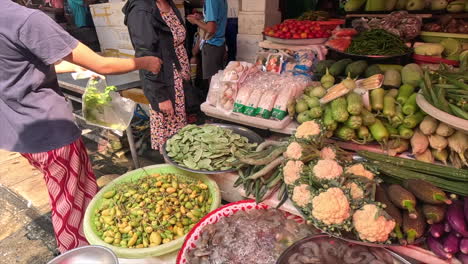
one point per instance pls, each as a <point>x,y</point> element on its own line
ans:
<point>227,95</point>
<point>214,90</point>
<point>104,107</point>
<point>243,95</point>
<point>265,106</point>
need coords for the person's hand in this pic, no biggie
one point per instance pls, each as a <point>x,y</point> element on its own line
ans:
<point>166,107</point>
<point>152,64</point>
<point>193,19</point>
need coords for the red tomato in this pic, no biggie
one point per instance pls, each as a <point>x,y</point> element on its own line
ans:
<point>288,35</point>
<point>296,36</point>
<point>277,35</point>
<point>311,35</point>
<point>285,29</point>
<point>304,35</point>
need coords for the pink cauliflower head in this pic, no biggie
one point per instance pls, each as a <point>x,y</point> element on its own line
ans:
<point>360,170</point>
<point>370,225</point>
<point>294,151</point>
<point>292,171</point>
<point>308,129</point>
<point>301,195</point>
<point>356,191</point>
<point>327,153</point>
<point>331,206</point>
<point>327,170</point>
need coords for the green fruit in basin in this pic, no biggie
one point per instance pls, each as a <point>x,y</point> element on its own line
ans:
<point>415,5</point>
<point>438,4</point>
<point>456,6</point>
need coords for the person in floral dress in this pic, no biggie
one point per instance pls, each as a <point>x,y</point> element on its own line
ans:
<point>156,27</point>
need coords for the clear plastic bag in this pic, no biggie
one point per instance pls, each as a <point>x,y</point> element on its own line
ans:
<point>104,107</point>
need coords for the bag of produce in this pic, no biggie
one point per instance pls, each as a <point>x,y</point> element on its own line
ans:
<point>242,97</point>
<point>265,106</point>
<point>252,102</point>
<point>214,90</point>
<point>104,107</point>
<point>280,108</point>
<point>227,95</point>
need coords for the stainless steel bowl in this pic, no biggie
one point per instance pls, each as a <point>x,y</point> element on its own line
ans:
<point>245,132</point>
<point>87,255</point>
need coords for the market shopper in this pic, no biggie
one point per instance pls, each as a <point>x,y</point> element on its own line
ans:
<point>213,46</point>
<point>35,118</point>
<point>156,28</point>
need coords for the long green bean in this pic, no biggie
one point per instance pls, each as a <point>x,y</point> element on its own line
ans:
<point>377,42</point>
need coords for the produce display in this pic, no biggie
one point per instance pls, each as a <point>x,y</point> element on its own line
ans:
<point>326,250</point>
<point>206,147</point>
<point>456,6</point>
<point>246,237</point>
<point>401,24</point>
<point>151,211</point>
<point>448,236</point>
<point>377,42</point>
<point>447,24</point>
<point>300,29</point>
<point>438,141</point>
<point>447,91</point>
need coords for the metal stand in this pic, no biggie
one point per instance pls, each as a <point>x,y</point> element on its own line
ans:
<point>131,144</point>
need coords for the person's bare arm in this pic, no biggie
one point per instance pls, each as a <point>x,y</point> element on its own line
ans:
<point>65,67</point>
<point>209,27</point>
<point>86,58</point>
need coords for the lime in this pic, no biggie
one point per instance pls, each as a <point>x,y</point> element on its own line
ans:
<point>452,46</point>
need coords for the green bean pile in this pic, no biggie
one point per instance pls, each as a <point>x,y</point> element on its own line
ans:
<point>377,42</point>
<point>154,210</point>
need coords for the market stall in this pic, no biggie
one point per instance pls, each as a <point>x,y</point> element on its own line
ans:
<point>368,162</point>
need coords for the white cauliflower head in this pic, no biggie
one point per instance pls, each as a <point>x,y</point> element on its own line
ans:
<point>327,170</point>
<point>292,171</point>
<point>356,191</point>
<point>331,207</point>
<point>308,129</point>
<point>327,153</point>
<point>294,151</point>
<point>360,170</point>
<point>301,195</point>
<point>370,225</point>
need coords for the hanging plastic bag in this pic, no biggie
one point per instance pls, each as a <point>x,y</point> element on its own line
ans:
<point>104,107</point>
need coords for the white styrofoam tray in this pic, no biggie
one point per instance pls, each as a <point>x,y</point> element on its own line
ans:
<point>239,118</point>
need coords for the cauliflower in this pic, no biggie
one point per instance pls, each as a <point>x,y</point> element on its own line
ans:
<point>292,171</point>
<point>327,153</point>
<point>359,170</point>
<point>356,191</point>
<point>308,129</point>
<point>327,170</point>
<point>331,206</point>
<point>294,151</point>
<point>301,195</point>
<point>371,225</point>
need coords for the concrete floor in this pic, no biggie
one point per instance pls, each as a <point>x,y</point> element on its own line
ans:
<point>26,233</point>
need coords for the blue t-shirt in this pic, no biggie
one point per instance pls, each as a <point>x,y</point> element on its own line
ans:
<point>34,116</point>
<point>216,11</point>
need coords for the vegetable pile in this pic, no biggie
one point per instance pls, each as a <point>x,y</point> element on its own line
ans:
<point>151,211</point>
<point>447,90</point>
<point>206,147</point>
<point>377,42</point>
<point>333,192</point>
<point>437,141</point>
<point>448,236</point>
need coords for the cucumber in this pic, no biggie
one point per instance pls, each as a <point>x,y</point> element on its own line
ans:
<point>354,102</point>
<point>356,68</point>
<point>321,66</point>
<point>338,67</point>
<point>328,121</point>
<point>367,117</point>
<point>372,70</point>
<point>339,109</point>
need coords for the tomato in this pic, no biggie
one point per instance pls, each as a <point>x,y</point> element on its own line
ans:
<point>296,36</point>
<point>277,35</point>
<point>304,35</point>
<point>285,29</point>
<point>311,35</point>
<point>288,35</point>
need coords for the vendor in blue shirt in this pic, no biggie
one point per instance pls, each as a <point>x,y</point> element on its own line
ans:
<point>213,45</point>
